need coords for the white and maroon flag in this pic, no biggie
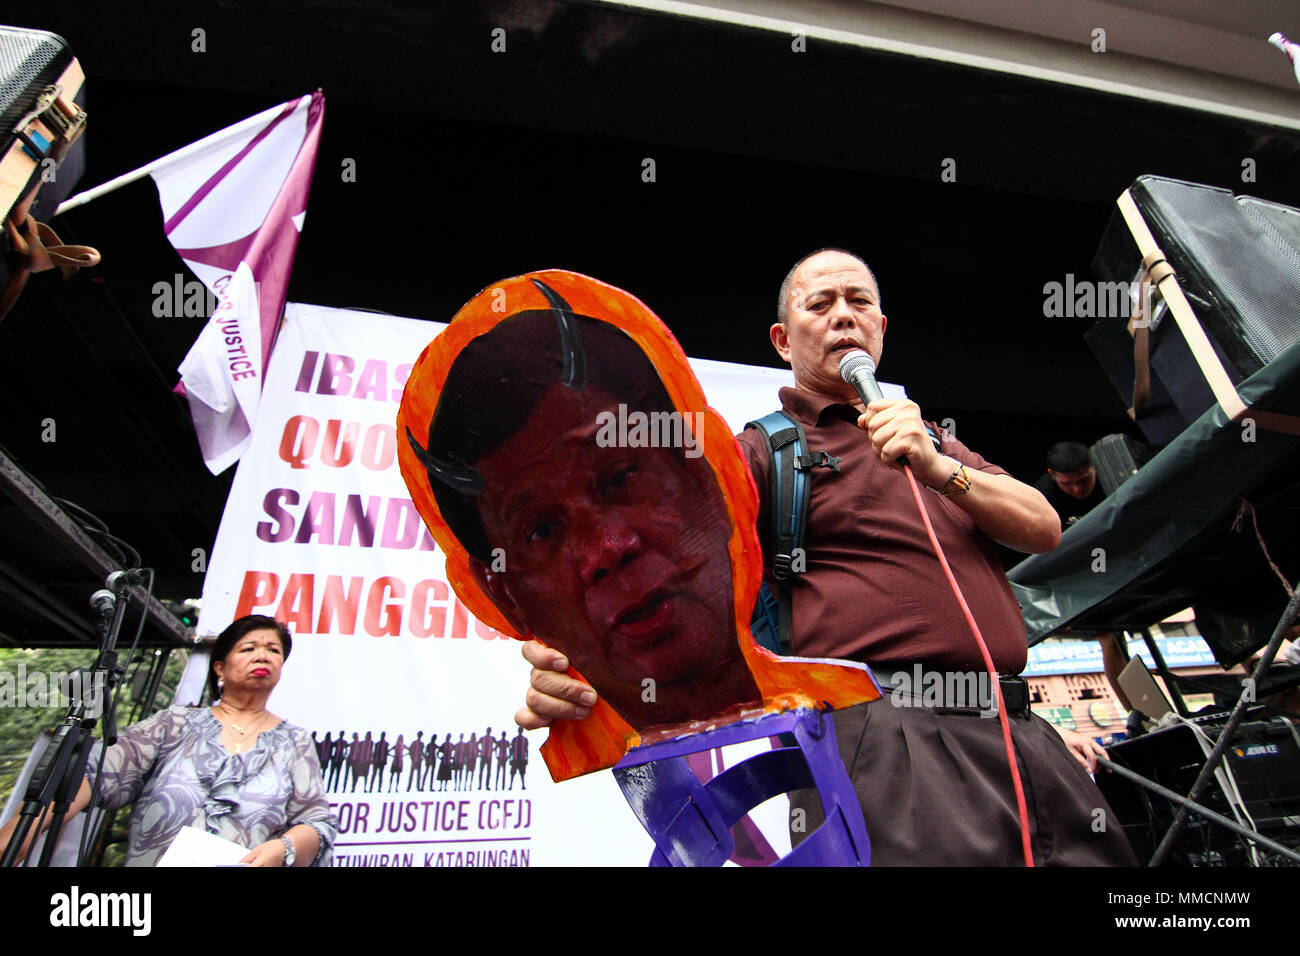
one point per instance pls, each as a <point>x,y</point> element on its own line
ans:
<point>233,205</point>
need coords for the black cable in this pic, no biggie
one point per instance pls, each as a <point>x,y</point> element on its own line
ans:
<point>132,556</point>
<point>97,529</point>
<point>89,522</point>
<point>36,832</point>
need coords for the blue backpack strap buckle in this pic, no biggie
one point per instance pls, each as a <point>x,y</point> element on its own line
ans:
<point>818,459</point>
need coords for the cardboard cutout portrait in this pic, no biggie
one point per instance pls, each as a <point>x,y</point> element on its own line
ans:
<point>562,454</point>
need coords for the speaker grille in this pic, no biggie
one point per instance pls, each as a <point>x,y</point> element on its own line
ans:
<point>29,61</point>
<point>1241,256</point>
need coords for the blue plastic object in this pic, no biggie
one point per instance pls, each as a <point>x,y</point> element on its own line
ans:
<point>690,822</point>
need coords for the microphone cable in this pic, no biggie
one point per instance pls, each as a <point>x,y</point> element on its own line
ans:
<point>858,368</point>
<point>1021,806</point>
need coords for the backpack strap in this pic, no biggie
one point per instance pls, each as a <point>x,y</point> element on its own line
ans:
<point>790,460</point>
<point>789,487</point>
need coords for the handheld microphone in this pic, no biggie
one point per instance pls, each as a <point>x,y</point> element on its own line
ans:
<point>858,369</point>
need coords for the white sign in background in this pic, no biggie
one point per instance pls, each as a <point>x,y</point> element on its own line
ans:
<point>321,532</point>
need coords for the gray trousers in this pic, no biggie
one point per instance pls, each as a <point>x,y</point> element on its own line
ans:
<point>936,791</point>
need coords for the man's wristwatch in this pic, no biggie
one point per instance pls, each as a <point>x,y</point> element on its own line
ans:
<point>290,854</point>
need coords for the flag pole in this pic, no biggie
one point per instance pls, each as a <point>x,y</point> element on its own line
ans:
<point>183,153</point>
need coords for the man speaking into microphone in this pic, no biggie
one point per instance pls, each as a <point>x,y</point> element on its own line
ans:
<point>928,763</point>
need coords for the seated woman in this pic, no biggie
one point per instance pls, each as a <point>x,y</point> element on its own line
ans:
<point>233,769</point>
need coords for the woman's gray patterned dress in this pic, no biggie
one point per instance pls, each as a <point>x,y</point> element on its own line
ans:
<point>174,768</point>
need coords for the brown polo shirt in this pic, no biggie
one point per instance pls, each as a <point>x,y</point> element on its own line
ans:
<point>873,590</point>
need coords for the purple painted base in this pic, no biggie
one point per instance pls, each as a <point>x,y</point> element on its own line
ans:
<point>691,822</point>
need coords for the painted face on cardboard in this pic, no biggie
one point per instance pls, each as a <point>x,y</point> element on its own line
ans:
<point>613,605</point>
<point>834,307</point>
<point>617,556</point>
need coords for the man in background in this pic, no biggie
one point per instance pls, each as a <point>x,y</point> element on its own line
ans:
<point>1070,485</point>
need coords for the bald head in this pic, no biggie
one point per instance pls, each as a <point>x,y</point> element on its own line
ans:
<point>788,283</point>
<point>830,305</point>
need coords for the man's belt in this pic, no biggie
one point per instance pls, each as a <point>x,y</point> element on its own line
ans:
<point>965,693</point>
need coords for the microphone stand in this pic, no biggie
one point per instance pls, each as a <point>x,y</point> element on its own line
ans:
<point>57,777</point>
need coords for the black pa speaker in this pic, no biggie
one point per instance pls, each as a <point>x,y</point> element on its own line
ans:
<point>1237,260</point>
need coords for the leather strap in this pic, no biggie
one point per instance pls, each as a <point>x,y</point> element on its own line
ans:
<point>1154,268</point>
<point>38,248</point>
<point>54,253</point>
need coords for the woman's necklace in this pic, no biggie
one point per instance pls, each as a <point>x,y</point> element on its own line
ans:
<point>244,730</point>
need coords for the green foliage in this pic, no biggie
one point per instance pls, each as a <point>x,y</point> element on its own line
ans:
<point>36,670</point>
<point>19,726</point>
